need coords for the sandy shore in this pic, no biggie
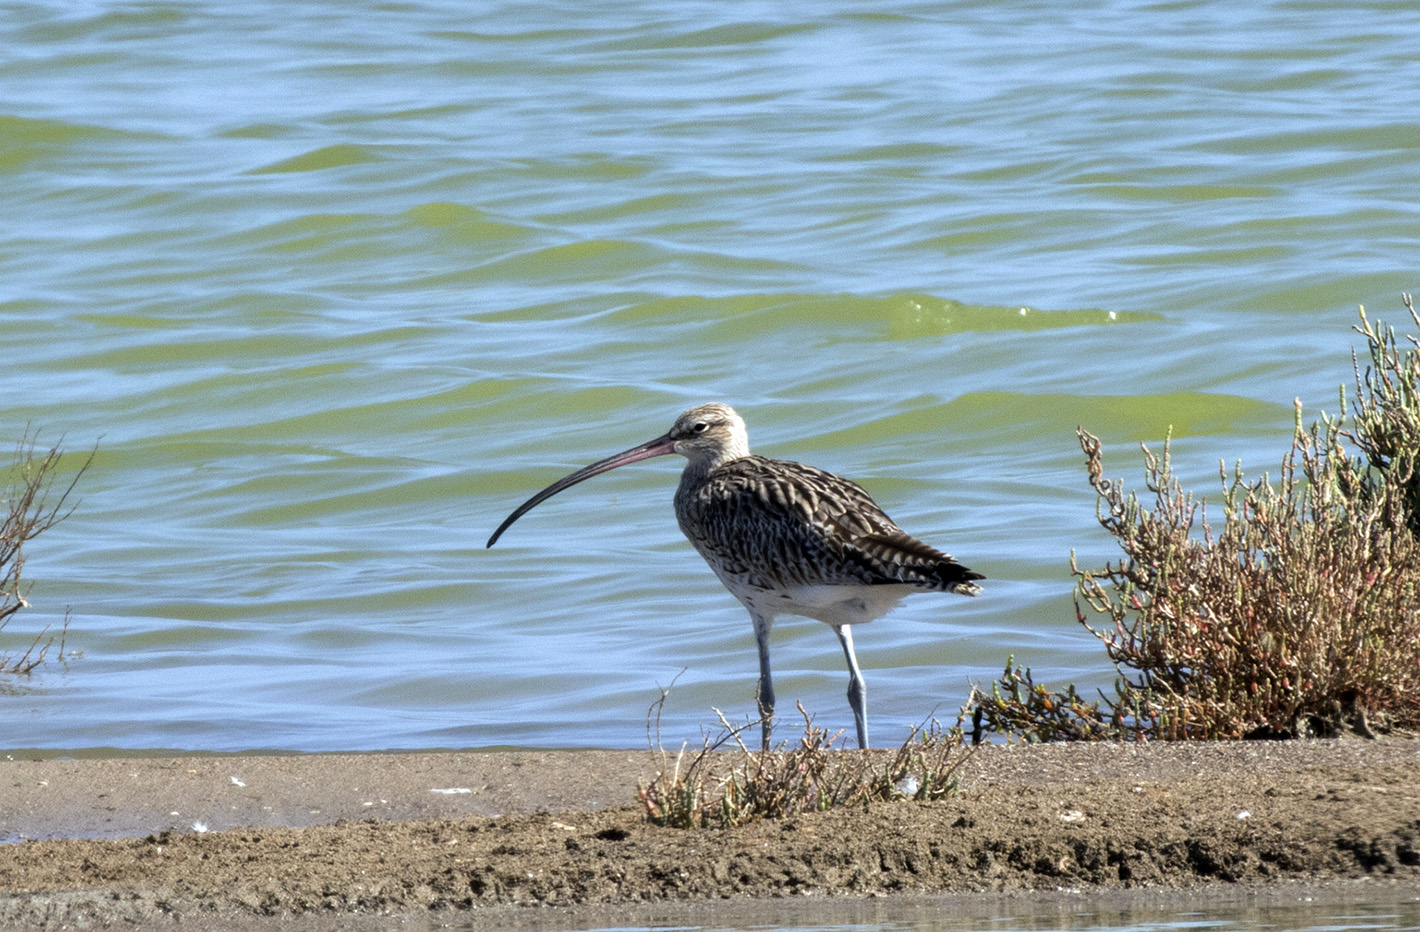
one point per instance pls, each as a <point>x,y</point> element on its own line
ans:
<point>133,797</point>
<point>519,838</point>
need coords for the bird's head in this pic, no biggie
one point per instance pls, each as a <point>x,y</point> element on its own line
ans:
<point>709,435</point>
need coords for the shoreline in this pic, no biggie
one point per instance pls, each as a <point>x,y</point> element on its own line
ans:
<point>244,840</point>
<point>60,798</point>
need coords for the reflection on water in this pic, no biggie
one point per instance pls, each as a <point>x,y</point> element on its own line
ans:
<point>1262,910</point>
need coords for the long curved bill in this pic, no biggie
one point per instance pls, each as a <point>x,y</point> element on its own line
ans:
<point>658,447</point>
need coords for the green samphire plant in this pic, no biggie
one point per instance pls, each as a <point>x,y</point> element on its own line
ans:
<point>1299,615</point>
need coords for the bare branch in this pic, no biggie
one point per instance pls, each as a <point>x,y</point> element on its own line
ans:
<point>30,504</point>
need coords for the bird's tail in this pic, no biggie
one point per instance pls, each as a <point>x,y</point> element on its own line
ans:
<point>900,558</point>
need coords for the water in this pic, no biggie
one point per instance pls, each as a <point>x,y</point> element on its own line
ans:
<point>1296,911</point>
<point>334,287</point>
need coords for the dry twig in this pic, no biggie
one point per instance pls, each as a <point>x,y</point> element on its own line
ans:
<point>29,506</point>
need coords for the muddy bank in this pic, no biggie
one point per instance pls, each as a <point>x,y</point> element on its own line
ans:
<point>1102,818</point>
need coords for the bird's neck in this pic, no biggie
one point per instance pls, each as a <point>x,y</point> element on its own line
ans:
<point>698,469</point>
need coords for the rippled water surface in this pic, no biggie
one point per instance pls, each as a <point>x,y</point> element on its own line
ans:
<point>335,286</point>
<point>1066,913</point>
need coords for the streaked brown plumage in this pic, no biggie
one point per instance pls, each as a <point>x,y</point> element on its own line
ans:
<point>785,538</point>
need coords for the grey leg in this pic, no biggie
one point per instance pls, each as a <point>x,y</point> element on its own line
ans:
<point>857,692</point>
<point>764,693</point>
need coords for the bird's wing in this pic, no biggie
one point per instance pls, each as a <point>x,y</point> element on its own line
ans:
<point>791,524</point>
<point>900,557</point>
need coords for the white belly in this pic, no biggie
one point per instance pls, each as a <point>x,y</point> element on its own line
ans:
<point>832,605</point>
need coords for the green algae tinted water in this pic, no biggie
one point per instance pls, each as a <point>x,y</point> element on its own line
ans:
<point>334,287</point>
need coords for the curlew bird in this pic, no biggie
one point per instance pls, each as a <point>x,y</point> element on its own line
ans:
<point>784,538</point>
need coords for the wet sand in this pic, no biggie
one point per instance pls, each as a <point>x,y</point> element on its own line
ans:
<point>531,838</point>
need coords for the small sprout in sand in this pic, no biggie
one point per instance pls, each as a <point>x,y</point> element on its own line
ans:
<point>725,783</point>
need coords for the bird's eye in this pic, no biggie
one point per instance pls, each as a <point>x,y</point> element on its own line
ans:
<point>700,427</point>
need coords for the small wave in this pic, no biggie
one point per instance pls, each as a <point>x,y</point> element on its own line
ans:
<point>320,159</point>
